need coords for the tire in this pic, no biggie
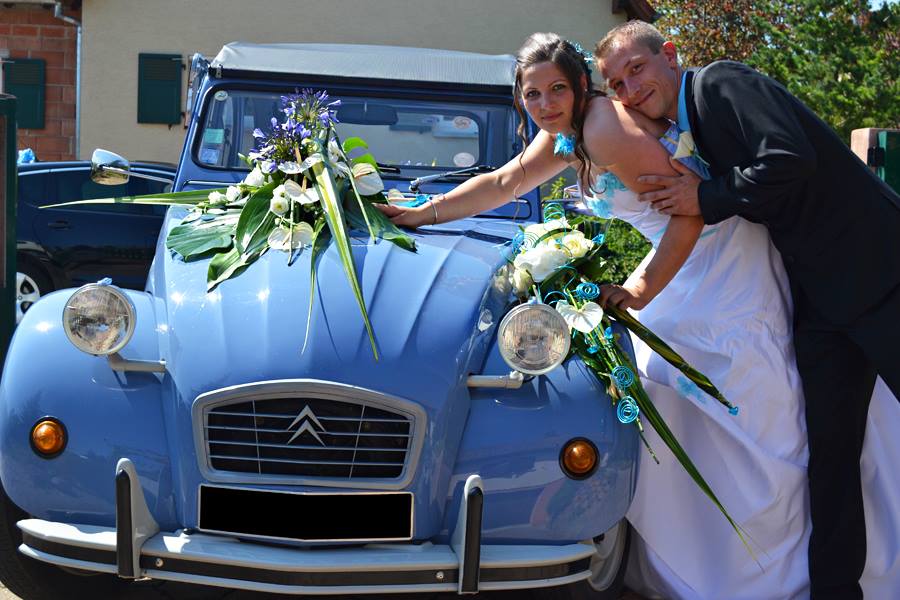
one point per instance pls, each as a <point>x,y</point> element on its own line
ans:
<point>31,283</point>
<point>34,580</point>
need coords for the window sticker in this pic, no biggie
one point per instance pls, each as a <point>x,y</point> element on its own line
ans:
<point>213,136</point>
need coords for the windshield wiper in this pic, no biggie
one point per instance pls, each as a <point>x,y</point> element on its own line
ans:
<point>388,168</point>
<point>471,171</point>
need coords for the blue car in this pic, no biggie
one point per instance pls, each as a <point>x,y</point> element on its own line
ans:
<point>72,245</point>
<point>240,439</point>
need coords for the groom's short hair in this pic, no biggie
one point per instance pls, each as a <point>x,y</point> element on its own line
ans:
<point>637,31</point>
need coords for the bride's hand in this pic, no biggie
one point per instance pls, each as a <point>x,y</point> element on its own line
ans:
<point>622,296</point>
<point>406,216</point>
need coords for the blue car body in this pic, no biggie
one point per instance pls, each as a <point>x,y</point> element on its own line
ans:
<point>434,313</point>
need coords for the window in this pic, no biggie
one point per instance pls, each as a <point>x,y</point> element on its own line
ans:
<point>159,88</point>
<point>24,79</point>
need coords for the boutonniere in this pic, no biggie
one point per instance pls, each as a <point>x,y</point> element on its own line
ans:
<point>686,146</point>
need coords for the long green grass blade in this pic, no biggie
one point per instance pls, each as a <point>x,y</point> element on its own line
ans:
<point>334,215</point>
<point>190,198</point>
<point>319,243</point>
<point>667,353</point>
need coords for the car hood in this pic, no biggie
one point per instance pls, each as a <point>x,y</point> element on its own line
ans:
<point>424,308</point>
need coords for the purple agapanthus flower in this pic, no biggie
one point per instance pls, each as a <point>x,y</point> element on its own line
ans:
<point>306,114</point>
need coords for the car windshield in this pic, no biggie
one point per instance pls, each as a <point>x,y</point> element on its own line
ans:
<point>417,135</point>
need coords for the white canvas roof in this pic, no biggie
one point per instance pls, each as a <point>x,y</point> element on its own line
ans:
<point>374,62</point>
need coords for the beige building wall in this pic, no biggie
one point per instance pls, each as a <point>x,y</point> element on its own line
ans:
<point>116,31</point>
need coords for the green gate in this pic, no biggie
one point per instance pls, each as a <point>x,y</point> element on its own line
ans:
<point>7,220</point>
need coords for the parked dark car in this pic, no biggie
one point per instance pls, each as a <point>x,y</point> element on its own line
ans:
<point>73,245</point>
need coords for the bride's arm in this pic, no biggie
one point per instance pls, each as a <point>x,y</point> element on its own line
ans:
<point>523,173</point>
<point>616,139</point>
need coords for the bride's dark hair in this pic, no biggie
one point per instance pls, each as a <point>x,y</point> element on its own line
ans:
<point>550,47</point>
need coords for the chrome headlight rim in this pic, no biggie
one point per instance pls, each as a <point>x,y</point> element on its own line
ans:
<point>131,318</point>
<point>554,316</point>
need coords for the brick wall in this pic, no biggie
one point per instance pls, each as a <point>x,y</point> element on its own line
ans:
<point>33,32</point>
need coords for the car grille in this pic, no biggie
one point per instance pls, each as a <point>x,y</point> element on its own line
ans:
<point>308,437</point>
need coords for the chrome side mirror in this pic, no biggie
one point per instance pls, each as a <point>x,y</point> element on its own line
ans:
<point>108,168</point>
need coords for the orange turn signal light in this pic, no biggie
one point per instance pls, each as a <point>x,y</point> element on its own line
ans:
<point>578,458</point>
<point>48,437</point>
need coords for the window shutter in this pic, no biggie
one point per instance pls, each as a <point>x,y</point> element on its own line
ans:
<point>159,88</point>
<point>24,78</point>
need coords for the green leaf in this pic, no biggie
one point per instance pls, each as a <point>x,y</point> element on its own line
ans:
<point>319,243</point>
<point>223,266</point>
<point>190,198</point>
<point>198,237</point>
<point>352,143</point>
<point>334,215</point>
<point>366,158</point>
<point>255,211</point>
<point>381,225</point>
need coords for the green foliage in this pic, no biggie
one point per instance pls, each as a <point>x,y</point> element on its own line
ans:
<point>623,250</point>
<point>840,57</point>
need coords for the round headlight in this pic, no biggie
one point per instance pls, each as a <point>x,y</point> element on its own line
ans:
<point>533,338</point>
<point>99,318</point>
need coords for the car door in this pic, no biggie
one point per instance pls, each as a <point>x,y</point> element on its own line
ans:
<point>92,241</point>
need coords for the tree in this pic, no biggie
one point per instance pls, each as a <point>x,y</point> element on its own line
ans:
<point>838,56</point>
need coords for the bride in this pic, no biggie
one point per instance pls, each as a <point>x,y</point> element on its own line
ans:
<point>718,295</point>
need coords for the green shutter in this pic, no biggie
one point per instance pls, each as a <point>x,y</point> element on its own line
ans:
<point>159,88</point>
<point>889,170</point>
<point>24,78</point>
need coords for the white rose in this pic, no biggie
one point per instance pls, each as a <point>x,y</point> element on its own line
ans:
<point>280,203</point>
<point>368,182</point>
<point>577,244</point>
<point>541,261</point>
<point>232,193</point>
<point>534,231</point>
<point>521,281</point>
<point>255,178</point>
<point>217,198</point>
<point>296,193</point>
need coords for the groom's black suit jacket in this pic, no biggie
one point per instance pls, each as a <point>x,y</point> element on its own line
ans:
<point>774,162</point>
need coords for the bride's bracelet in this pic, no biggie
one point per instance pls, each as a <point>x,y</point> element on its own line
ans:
<point>434,207</point>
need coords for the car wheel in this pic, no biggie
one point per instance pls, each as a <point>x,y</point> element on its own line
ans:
<point>607,569</point>
<point>31,284</point>
<point>34,580</point>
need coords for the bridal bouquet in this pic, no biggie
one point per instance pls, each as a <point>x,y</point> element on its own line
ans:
<point>304,189</point>
<point>558,262</point>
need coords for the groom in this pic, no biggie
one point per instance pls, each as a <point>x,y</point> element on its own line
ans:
<point>772,161</point>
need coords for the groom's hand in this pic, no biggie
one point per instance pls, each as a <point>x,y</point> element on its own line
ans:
<point>678,195</point>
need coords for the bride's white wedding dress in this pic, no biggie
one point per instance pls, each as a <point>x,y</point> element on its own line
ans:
<point>728,312</point>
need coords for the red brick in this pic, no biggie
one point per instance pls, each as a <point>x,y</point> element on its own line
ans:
<point>42,16</point>
<point>58,44</point>
<point>54,32</point>
<point>60,76</point>
<point>53,156</point>
<point>23,43</point>
<point>29,30</point>
<point>53,93</point>
<point>5,29</point>
<point>70,60</point>
<point>59,109</point>
<point>53,144</point>
<point>67,127</point>
<point>52,127</point>
<point>68,94</point>
<point>14,15</point>
<point>54,59</point>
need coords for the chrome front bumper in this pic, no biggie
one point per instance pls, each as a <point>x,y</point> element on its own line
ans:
<point>137,549</point>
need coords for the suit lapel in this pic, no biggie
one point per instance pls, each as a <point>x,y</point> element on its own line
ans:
<point>693,119</point>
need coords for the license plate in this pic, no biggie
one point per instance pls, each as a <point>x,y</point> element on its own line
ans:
<point>301,516</point>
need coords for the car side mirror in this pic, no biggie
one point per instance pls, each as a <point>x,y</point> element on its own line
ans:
<point>108,168</point>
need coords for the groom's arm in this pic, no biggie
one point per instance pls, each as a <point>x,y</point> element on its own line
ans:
<point>752,110</point>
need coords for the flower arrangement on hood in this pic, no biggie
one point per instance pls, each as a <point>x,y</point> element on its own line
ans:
<point>303,191</point>
<point>559,262</point>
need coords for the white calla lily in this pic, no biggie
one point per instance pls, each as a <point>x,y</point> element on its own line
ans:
<point>280,238</point>
<point>290,167</point>
<point>686,145</point>
<point>295,192</point>
<point>584,319</point>
<point>368,181</point>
